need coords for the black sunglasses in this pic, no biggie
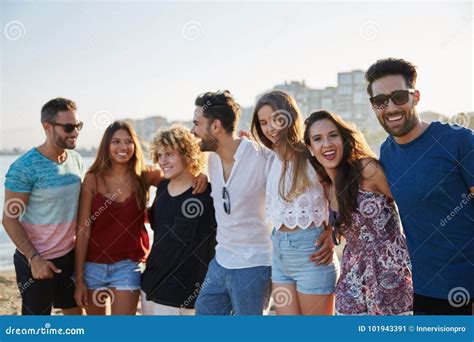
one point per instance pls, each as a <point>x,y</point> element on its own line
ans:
<point>398,97</point>
<point>68,128</point>
<point>226,198</point>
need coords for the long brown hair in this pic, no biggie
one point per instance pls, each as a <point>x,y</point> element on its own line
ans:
<point>136,164</point>
<point>349,170</point>
<point>290,147</point>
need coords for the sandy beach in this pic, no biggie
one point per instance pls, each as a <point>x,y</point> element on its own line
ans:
<point>10,301</point>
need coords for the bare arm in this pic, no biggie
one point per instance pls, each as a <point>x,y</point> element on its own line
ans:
<point>153,175</point>
<point>373,178</point>
<point>14,206</point>
<point>83,229</point>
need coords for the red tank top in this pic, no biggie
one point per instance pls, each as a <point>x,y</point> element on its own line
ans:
<point>117,231</point>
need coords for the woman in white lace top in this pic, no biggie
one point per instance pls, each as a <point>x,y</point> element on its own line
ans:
<point>303,281</point>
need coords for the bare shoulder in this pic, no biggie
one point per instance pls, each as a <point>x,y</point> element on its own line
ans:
<point>373,177</point>
<point>89,181</point>
<point>370,168</point>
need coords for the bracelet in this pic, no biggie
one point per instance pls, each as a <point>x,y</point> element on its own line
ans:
<point>30,259</point>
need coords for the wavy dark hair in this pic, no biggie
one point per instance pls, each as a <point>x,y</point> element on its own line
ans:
<point>349,170</point>
<point>136,164</point>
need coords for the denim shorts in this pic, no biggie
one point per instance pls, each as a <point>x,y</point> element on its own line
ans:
<point>122,275</point>
<point>291,263</point>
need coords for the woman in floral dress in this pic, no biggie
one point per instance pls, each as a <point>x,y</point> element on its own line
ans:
<point>376,271</point>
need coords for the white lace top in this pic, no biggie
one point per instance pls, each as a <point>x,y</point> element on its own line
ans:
<point>306,208</point>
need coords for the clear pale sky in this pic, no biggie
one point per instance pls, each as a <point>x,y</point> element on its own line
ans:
<point>152,58</point>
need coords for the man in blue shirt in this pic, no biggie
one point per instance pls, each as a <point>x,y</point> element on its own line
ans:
<point>430,169</point>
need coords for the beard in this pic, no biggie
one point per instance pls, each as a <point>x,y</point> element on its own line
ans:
<point>410,117</point>
<point>62,142</point>
<point>208,143</point>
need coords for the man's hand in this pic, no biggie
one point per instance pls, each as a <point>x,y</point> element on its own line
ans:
<point>244,134</point>
<point>200,184</point>
<point>325,253</point>
<point>42,268</point>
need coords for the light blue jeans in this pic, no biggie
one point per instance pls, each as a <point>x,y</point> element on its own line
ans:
<point>243,291</point>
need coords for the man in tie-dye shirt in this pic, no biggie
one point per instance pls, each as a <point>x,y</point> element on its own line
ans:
<point>42,190</point>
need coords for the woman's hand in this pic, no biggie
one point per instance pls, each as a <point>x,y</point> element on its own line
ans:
<point>81,294</point>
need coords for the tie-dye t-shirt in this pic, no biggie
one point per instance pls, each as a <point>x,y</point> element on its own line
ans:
<point>50,215</point>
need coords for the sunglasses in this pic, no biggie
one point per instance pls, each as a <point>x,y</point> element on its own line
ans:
<point>68,128</point>
<point>226,198</point>
<point>398,97</point>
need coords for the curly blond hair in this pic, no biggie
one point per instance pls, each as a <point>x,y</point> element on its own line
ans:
<point>180,139</point>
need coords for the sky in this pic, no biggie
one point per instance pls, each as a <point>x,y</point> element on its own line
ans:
<point>124,59</point>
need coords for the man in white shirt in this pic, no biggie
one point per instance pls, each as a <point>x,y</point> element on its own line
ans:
<point>238,278</point>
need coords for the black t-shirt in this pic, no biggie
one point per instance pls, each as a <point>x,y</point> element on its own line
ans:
<point>183,245</point>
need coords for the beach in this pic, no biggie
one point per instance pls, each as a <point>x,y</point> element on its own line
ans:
<point>10,301</point>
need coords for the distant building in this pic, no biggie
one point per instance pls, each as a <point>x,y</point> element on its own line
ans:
<point>349,99</point>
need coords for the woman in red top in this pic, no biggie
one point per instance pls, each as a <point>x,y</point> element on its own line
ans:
<point>111,240</point>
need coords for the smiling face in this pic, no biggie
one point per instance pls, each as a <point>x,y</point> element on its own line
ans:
<point>170,161</point>
<point>57,133</point>
<point>326,143</point>
<point>266,120</point>
<point>397,120</point>
<point>121,147</point>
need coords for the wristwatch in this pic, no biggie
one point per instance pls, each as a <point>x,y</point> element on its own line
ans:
<point>32,257</point>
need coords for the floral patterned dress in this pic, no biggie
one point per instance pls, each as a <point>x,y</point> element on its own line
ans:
<point>376,270</point>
